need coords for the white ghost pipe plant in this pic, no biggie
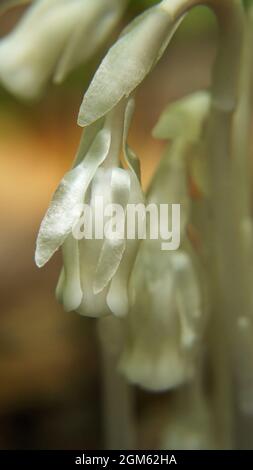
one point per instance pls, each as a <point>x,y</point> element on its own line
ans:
<point>51,39</point>
<point>94,280</point>
<point>175,285</point>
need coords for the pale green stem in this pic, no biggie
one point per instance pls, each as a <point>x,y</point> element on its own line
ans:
<point>225,236</point>
<point>115,123</point>
<point>117,395</point>
<point>242,123</point>
<point>242,334</point>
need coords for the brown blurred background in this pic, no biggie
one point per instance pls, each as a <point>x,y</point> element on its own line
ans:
<point>51,390</point>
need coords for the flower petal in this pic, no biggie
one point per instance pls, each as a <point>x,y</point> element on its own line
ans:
<point>184,118</point>
<point>188,298</point>
<point>64,209</point>
<point>72,292</point>
<point>117,298</point>
<point>108,263</point>
<point>113,248</point>
<point>87,138</point>
<point>92,305</point>
<point>66,205</point>
<point>126,64</point>
<point>120,187</point>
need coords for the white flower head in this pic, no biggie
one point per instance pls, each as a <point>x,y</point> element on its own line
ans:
<point>165,321</point>
<point>51,39</point>
<point>95,275</point>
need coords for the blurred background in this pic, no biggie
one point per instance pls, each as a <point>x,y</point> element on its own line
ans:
<point>51,390</point>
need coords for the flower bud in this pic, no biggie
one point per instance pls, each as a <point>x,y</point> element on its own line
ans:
<point>98,260</point>
<point>165,320</point>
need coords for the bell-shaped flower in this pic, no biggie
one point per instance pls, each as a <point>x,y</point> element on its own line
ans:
<point>97,265</point>
<point>51,39</point>
<point>166,319</point>
<point>168,291</point>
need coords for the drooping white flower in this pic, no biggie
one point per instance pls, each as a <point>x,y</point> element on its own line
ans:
<point>165,321</point>
<point>51,39</point>
<point>168,302</point>
<point>94,279</point>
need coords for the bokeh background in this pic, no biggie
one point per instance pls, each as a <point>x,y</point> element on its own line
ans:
<point>51,390</point>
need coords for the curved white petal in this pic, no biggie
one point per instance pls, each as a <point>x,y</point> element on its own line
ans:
<point>126,64</point>
<point>184,119</point>
<point>72,291</point>
<point>64,210</point>
<point>120,187</point>
<point>87,138</point>
<point>92,305</point>
<point>66,205</point>
<point>188,298</point>
<point>113,248</point>
<point>108,263</point>
<point>118,294</point>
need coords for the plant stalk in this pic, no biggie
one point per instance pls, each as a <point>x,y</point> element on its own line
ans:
<point>118,399</point>
<point>227,268</point>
